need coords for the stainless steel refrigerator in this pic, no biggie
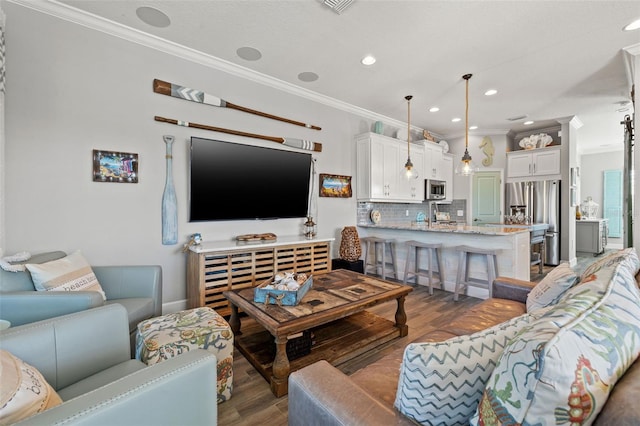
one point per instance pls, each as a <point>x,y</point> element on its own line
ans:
<point>540,203</point>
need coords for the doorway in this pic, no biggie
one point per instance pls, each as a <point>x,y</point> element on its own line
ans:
<point>486,196</point>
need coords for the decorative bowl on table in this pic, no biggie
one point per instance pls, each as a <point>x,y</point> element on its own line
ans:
<point>284,289</point>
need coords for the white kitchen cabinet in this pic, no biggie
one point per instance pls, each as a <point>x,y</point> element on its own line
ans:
<point>439,166</point>
<point>380,160</point>
<point>447,175</point>
<point>535,164</point>
<point>433,161</point>
<point>412,190</point>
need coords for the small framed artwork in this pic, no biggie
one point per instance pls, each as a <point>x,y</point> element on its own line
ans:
<point>335,186</point>
<point>119,167</point>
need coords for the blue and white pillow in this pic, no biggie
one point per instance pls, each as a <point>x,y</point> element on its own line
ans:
<point>561,368</point>
<point>548,291</point>
<point>442,382</point>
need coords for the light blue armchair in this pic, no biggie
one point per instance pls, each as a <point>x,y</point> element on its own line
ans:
<point>137,288</point>
<point>86,358</point>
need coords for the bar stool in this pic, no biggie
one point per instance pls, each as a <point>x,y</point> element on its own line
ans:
<point>429,249</point>
<point>537,238</point>
<point>464,280</point>
<point>380,246</point>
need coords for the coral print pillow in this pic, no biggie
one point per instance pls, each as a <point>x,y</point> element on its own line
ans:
<point>562,367</point>
<point>71,273</point>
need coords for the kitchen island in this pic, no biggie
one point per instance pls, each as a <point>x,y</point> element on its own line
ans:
<point>513,244</point>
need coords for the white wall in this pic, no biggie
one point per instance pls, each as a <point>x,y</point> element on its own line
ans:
<point>71,89</point>
<point>592,167</point>
<point>462,184</point>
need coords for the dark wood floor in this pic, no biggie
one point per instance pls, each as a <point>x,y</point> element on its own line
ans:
<point>252,401</point>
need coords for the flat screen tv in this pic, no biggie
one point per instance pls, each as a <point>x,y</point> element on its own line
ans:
<point>232,181</point>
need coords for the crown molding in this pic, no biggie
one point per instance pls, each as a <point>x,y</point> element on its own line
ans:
<point>106,26</point>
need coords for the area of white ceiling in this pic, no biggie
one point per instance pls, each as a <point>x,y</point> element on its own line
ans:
<point>547,59</point>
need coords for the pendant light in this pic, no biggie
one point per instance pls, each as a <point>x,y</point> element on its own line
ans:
<point>409,172</point>
<point>466,166</point>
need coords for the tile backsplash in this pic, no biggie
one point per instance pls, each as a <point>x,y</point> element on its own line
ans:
<point>397,212</point>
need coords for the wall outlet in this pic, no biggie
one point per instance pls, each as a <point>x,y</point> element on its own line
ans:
<point>460,213</point>
<point>406,213</point>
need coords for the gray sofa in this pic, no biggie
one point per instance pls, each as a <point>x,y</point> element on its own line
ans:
<point>137,288</point>
<point>322,395</point>
<point>85,357</point>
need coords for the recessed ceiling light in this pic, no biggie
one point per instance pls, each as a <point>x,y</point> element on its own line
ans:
<point>528,123</point>
<point>308,76</point>
<point>473,127</point>
<point>434,109</point>
<point>153,17</point>
<point>368,60</point>
<point>490,92</point>
<point>633,26</point>
<point>249,53</point>
<point>455,120</point>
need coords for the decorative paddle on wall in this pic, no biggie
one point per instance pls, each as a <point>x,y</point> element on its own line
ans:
<point>181,92</point>
<point>292,142</point>
<point>169,202</point>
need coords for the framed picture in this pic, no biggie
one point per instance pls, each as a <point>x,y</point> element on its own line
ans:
<point>119,167</point>
<point>335,186</point>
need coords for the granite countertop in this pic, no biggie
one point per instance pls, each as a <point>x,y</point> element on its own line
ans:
<point>529,226</point>
<point>450,228</point>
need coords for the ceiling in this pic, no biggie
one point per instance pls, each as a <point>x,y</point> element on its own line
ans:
<point>547,59</point>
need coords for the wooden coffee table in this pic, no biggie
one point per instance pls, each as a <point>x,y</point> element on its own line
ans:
<point>334,309</point>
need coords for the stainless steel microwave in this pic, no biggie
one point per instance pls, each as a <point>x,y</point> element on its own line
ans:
<point>435,189</point>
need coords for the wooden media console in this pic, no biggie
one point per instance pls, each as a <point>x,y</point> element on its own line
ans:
<point>218,266</point>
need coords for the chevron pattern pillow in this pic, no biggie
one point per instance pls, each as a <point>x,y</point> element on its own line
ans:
<point>442,382</point>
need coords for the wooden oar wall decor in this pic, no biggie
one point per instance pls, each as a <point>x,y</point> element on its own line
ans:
<point>186,93</point>
<point>292,142</point>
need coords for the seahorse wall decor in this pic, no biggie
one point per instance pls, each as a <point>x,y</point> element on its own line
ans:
<point>488,150</point>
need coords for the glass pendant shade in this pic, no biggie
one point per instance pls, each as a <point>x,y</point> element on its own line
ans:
<point>466,167</point>
<point>409,172</point>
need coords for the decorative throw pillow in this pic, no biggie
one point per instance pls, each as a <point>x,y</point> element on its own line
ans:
<point>71,273</point>
<point>553,285</point>
<point>442,382</point>
<point>608,260</point>
<point>561,368</point>
<point>23,390</point>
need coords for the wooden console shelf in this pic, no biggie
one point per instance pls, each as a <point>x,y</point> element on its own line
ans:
<point>220,266</point>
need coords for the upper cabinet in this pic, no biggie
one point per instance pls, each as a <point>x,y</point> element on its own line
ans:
<point>380,160</point>
<point>447,175</point>
<point>534,164</point>
<point>435,166</point>
<point>438,166</point>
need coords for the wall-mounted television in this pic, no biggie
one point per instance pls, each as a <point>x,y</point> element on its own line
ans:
<point>234,181</point>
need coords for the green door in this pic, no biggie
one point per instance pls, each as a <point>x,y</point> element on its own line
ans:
<point>486,198</point>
